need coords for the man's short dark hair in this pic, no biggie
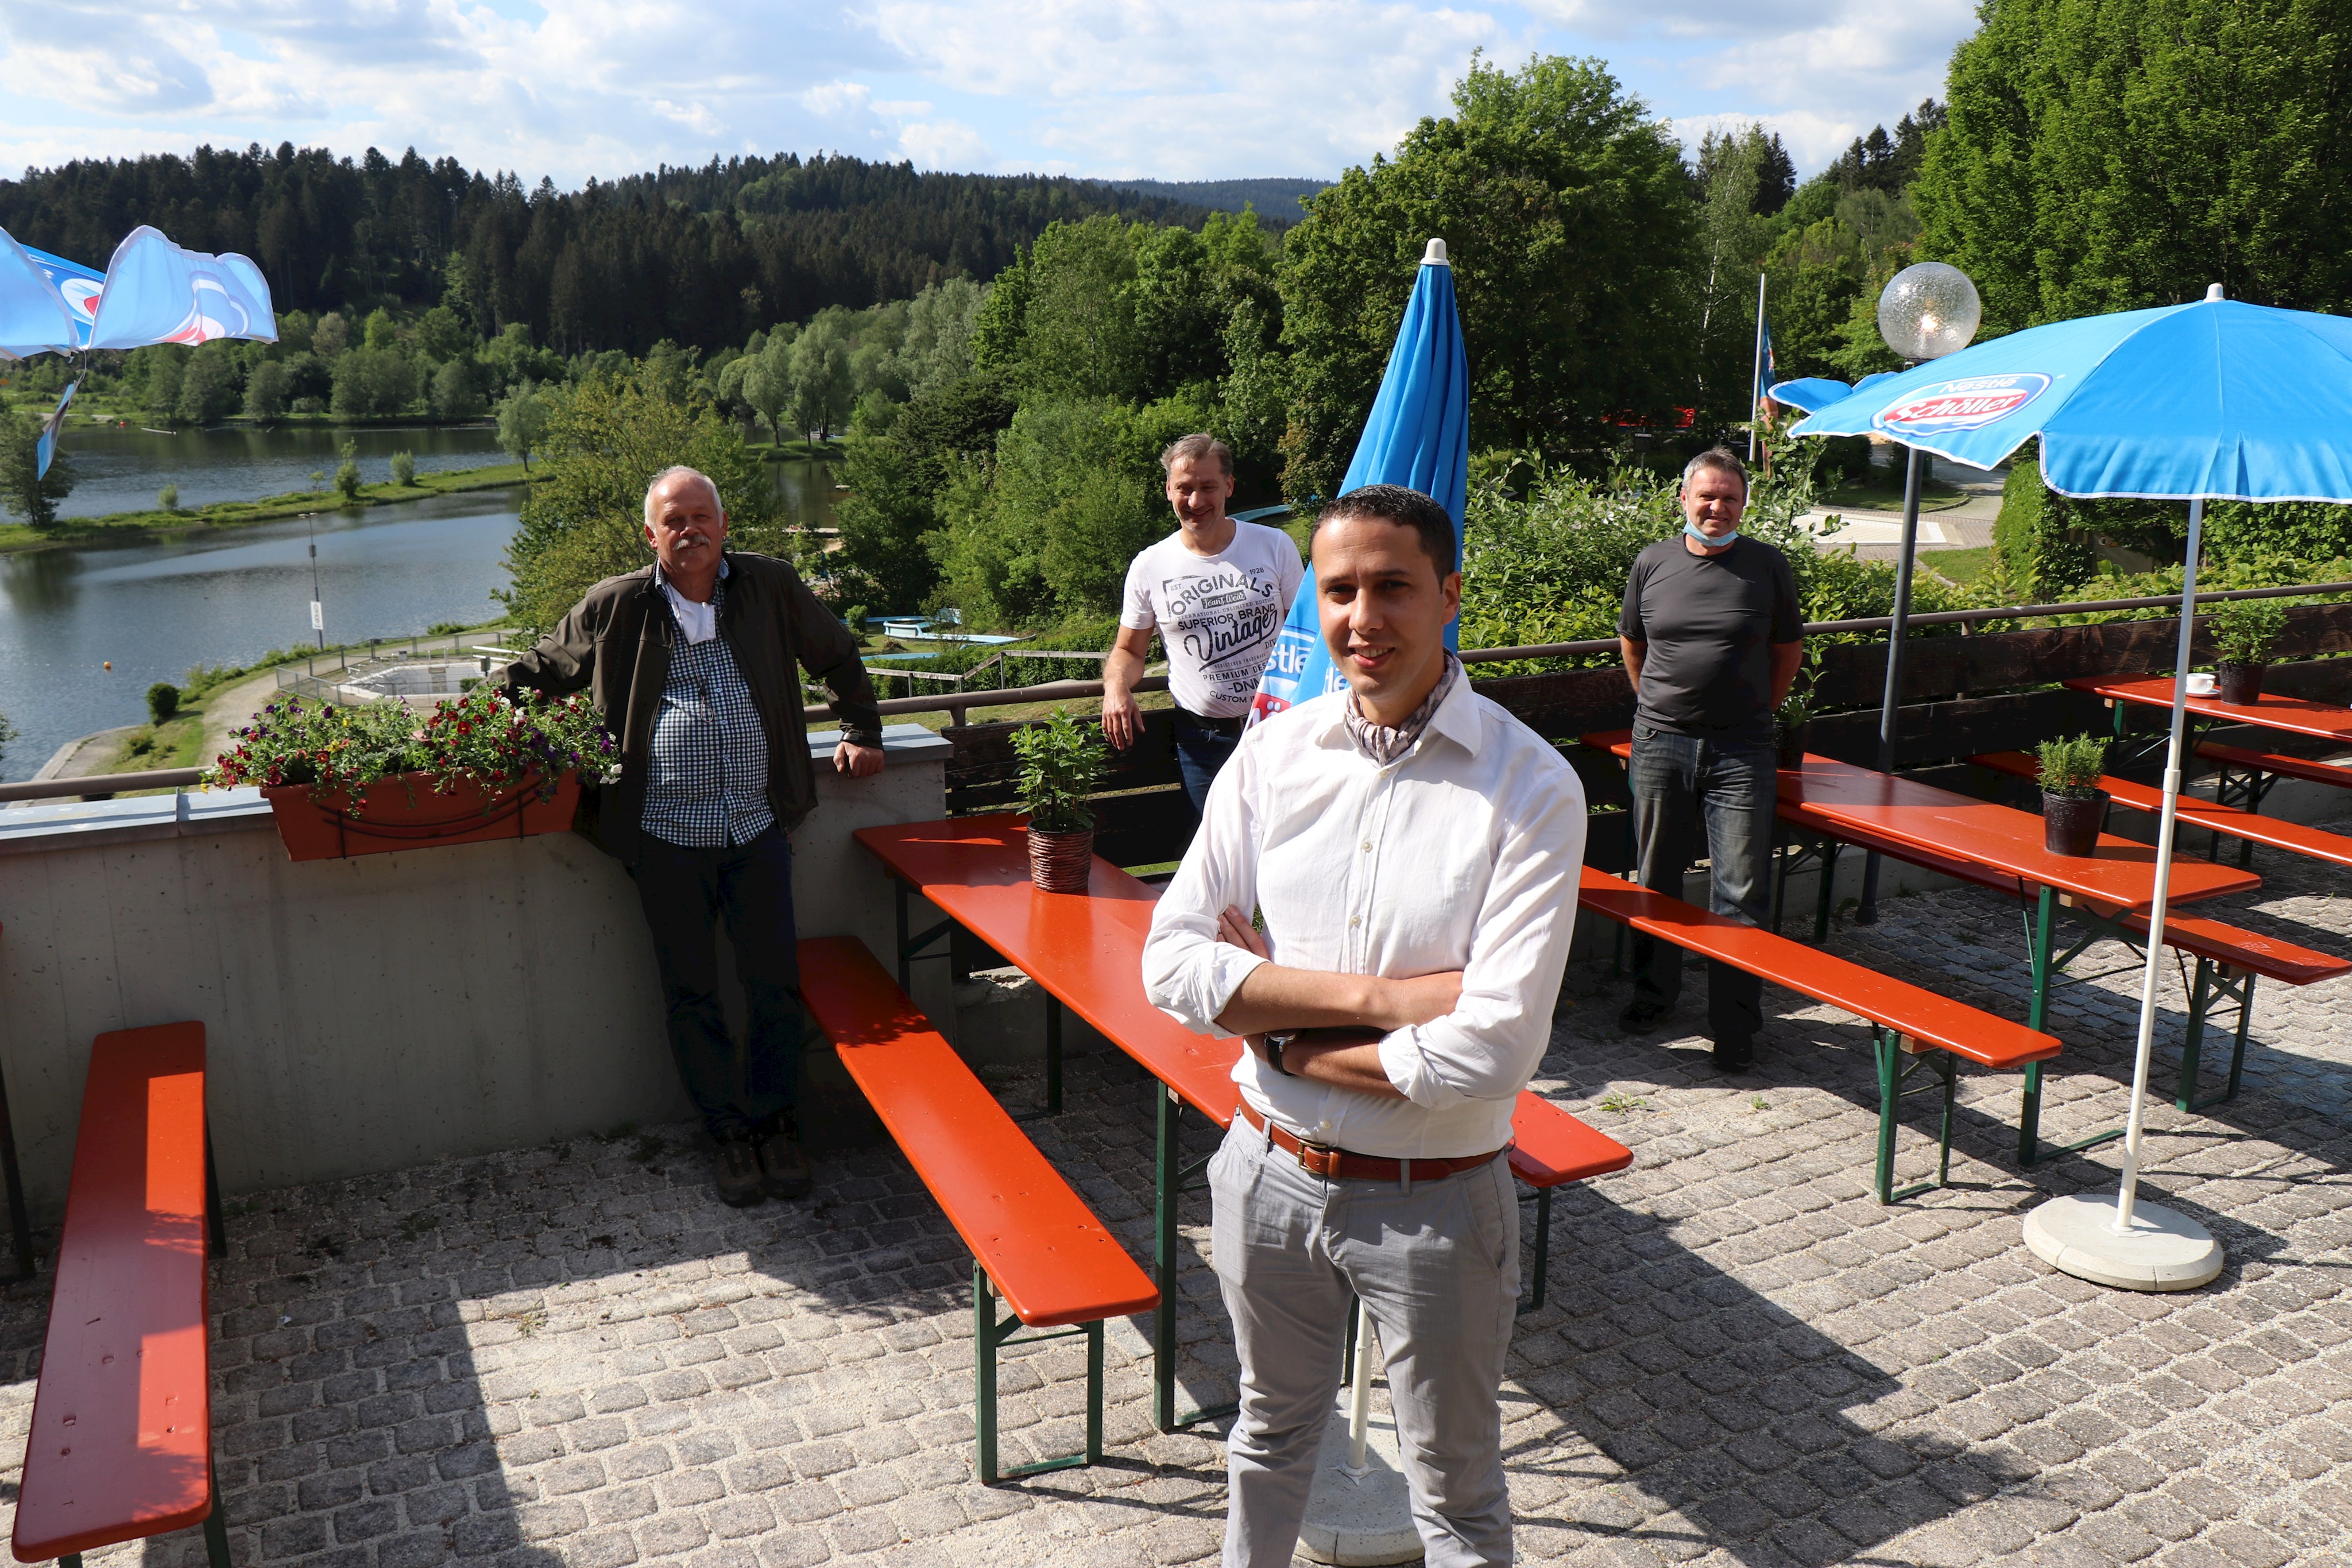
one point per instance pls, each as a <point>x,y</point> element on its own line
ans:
<point>1406,507</point>
<point>1197,446</point>
<point>1723,460</point>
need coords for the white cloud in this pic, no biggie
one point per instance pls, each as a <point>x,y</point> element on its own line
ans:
<point>1172,88</point>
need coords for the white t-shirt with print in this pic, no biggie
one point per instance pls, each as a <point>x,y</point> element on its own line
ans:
<point>1218,615</point>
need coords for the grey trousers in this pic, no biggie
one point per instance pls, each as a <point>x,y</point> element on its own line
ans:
<point>1438,1266</point>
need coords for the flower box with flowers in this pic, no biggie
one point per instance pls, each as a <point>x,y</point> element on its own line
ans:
<point>363,780</point>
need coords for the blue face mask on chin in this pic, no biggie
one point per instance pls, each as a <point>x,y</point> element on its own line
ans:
<point>1710,540</point>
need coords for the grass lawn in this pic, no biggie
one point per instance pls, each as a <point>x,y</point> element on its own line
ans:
<point>799,451</point>
<point>156,523</point>
<point>1960,566</point>
<point>1934,495</point>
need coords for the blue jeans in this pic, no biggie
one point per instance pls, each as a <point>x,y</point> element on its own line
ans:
<point>1201,748</point>
<point>686,893</point>
<point>1731,788</point>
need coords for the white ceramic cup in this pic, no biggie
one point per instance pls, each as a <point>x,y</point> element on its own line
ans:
<point>2203,684</point>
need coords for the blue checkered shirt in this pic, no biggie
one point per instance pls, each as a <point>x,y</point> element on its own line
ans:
<point>708,788</point>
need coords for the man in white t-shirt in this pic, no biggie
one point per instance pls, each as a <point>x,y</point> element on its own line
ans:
<point>1216,590</point>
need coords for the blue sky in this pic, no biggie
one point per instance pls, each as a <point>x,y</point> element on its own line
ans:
<point>1202,89</point>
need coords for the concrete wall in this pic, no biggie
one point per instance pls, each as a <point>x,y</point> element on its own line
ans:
<point>369,1014</point>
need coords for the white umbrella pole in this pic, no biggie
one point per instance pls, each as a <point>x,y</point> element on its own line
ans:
<point>1360,1397</point>
<point>2130,1188</point>
<point>2131,1245</point>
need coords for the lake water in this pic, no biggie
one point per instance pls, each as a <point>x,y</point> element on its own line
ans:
<point>118,469</point>
<point>159,608</point>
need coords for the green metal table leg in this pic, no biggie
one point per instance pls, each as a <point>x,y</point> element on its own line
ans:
<point>2028,1119</point>
<point>1543,1249</point>
<point>984,1371</point>
<point>217,1534</point>
<point>1827,891</point>
<point>1883,1041</point>
<point>1094,1391</point>
<point>990,1336</point>
<point>1952,1067</point>
<point>1053,1055</point>
<point>1163,1263</point>
<point>2192,1041</point>
<point>2245,1022</point>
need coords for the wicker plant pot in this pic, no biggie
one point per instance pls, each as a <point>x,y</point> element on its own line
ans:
<point>2239,683</point>
<point>1061,863</point>
<point>2070,823</point>
<point>408,812</point>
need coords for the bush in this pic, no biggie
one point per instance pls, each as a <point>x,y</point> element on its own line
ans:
<point>2073,767</point>
<point>1061,763</point>
<point>2036,538</point>
<point>168,497</point>
<point>347,473</point>
<point>162,700</point>
<point>2246,631</point>
<point>267,389</point>
<point>404,468</point>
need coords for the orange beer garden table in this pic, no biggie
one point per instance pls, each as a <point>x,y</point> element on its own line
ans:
<point>2290,716</point>
<point>1084,951</point>
<point>1992,846</point>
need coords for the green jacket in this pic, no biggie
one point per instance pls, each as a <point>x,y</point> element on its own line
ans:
<point>616,640</point>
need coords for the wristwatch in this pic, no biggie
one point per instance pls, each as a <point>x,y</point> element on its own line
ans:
<point>1275,1043</point>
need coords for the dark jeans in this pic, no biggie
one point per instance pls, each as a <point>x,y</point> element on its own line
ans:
<point>686,893</point>
<point>1203,746</point>
<point>1730,786</point>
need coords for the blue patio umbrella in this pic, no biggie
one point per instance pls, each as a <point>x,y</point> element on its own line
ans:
<point>1418,434</point>
<point>2213,401</point>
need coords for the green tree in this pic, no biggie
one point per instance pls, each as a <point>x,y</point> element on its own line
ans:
<point>331,336</point>
<point>166,366</point>
<point>584,521</point>
<point>347,473</point>
<point>2109,154</point>
<point>767,383</point>
<point>442,334</point>
<point>267,389</point>
<point>208,387</point>
<point>379,331</point>
<point>373,382</point>
<point>1565,209</point>
<point>822,388</point>
<point>23,491</point>
<point>456,391</point>
<point>1737,235</point>
<point>522,422</point>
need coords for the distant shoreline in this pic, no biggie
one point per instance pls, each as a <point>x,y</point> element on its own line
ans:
<point>154,523</point>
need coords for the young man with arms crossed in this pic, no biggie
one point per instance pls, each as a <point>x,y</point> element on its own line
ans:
<point>1217,591</point>
<point>1414,851</point>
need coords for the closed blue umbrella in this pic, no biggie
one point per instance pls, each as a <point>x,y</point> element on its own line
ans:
<point>1418,434</point>
<point>2216,400</point>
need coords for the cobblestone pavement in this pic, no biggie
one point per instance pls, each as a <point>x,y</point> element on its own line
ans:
<point>575,1356</point>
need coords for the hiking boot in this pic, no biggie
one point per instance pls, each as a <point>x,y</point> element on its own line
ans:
<point>737,1172</point>
<point>1644,1014</point>
<point>784,1166</point>
<point>1735,1055</point>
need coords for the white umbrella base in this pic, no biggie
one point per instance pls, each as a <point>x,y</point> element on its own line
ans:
<point>1360,1520</point>
<point>2162,1251</point>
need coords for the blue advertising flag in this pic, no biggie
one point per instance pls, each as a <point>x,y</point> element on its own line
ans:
<point>35,318</point>
<point>45,446</point>
<point>1418,435</point>
<point>158,293</point>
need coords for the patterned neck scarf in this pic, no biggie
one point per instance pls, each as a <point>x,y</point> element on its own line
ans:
<point>1384,745</point>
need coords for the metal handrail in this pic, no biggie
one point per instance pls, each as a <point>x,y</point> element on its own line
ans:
<point>956,708</point>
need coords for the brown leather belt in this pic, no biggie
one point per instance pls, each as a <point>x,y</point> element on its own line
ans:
<point>1339,1165</point>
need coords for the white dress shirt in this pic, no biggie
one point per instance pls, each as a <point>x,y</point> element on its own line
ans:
<point>700,623</point>
<point>1464,853</point>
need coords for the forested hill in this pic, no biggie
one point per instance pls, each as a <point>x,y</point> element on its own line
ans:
<point>1274,200</point>
<point>701,255</point>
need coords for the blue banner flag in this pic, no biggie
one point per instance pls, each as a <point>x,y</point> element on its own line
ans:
<point>35,318</point>
<point>1418,435</point>
<point>156,292</point>
<point>45,446</point>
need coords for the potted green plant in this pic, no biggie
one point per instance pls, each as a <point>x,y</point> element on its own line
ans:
<point>2073,807</point>
<point>2245,632</point>
<point>1796,711</point>
<point>1061,762</point>
<point>359,778</point>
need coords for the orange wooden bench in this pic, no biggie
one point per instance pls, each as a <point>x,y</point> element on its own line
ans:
<point>121,1446</point>
<point>2230,959</point>
<point>1906,1020</point>
<point>1086,953</point>
<point>2262,769</point>
<point>1032,1239</point>
<point>2229,821</point>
